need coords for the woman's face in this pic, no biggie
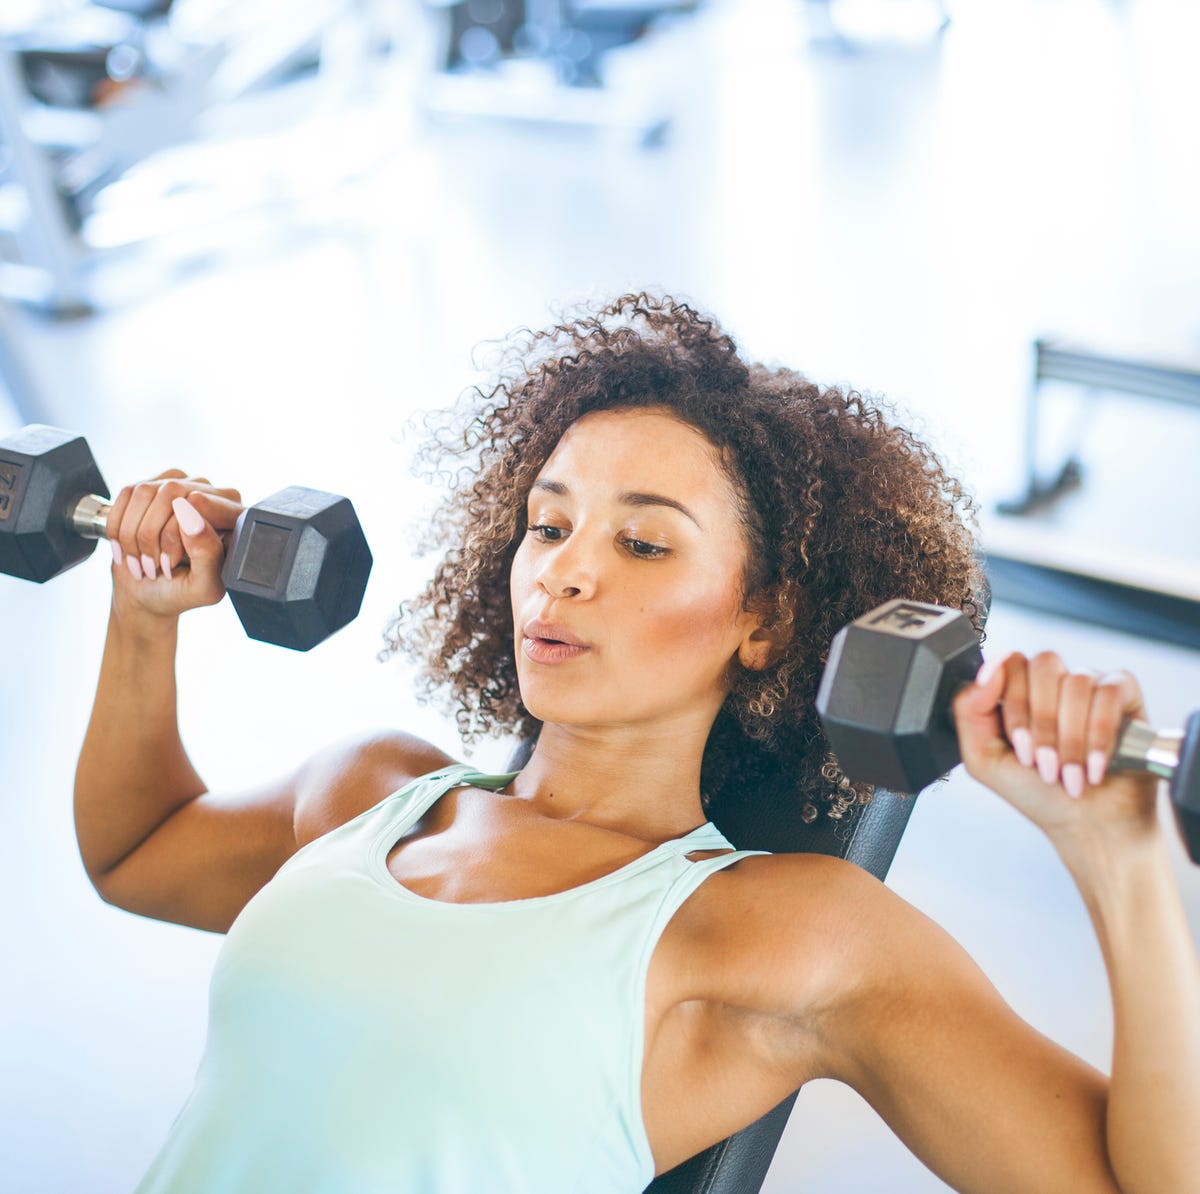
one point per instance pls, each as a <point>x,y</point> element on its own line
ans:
<point>635,553</point>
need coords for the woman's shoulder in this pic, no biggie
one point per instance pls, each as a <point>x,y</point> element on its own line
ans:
<point>782,934</point>
<point>354,775</point>
<point>778,885</point>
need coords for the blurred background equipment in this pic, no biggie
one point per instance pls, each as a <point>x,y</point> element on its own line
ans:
<point>1095,373</point>
<point>1106,587</point>
<point>95,88</point>
<point>550,61</point>
<point>16,379</point>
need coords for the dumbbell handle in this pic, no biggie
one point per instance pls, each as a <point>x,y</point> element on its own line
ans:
<point>1173,755</point>
<point>1143,748</point>
<point>89,518</point>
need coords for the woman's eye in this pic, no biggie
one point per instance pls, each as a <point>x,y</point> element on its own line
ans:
<point>547,534</point>
<point>648,551</point>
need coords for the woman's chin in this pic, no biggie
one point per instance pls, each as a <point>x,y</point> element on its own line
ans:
<point>567,708</point>
<point>562,713</point>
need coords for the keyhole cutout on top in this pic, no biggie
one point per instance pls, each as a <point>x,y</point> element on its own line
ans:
<point>701,855</point>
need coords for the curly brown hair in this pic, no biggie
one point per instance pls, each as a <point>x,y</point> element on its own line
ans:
<point>841,509</point>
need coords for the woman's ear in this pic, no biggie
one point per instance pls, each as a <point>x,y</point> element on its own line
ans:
<point>765,645</point>
<point>761,648</point>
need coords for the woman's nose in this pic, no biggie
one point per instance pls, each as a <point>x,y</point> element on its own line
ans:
<point>568,572</point>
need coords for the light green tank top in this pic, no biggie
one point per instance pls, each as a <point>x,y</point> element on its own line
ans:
<point>363,1039</point>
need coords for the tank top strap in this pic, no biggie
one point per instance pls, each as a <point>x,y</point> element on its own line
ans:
<point>419,794</point>
<point>688,873</point>
<point>684,875</point>
<point>486,779</point>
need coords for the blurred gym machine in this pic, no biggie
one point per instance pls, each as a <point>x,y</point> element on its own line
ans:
<point>1135,593</point>
<point>1096,373</point>
<point>99,86</point>
<point>16,377</point>
<point>850,27</point>
<point>552,62</point>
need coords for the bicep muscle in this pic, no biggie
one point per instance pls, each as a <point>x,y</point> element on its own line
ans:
<point>987,1102</point>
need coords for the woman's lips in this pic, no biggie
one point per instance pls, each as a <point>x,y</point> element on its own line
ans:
<point>544,650</point>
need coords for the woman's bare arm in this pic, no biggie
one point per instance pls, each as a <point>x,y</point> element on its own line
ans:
<point>873,993</point>
<point>986,1102</point>
<point>883,999</point>
<point>133,771</point>
<point>152,839</point>
<point>991,1104</point>
<point>1106,830</point>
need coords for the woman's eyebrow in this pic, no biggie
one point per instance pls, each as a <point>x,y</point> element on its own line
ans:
<point>626,499</point>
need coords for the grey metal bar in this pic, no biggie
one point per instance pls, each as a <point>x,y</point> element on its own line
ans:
<point>15,376</point>
<point>1148,379</point>
<point>1055,361</point>
<point>48,242</point>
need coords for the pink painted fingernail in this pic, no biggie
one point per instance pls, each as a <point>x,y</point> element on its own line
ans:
<point>1047,764</point>
<point>134,567</point>
<point>1022,744</point>
<point>1097,765</point>
<point>118,554</point>
<point>165,560</point>
<point>190,521</point>
<point>149,567</point>
<point>1072,779</point>
<point>988,670</point>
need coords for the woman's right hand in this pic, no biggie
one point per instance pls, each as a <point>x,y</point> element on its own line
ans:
<point>169,535</point>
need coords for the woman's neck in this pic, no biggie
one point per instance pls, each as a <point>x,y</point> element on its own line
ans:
<point>645,785</point>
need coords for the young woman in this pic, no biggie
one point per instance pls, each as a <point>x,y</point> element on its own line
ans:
<point>565,979</point>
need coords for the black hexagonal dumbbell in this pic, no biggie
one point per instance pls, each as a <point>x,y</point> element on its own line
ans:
<point>295,571</point>
<point>885,697</point>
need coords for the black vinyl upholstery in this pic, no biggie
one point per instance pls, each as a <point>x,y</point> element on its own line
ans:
<point>868,836</point>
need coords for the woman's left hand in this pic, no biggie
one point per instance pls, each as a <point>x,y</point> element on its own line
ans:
<point>1042,737</point>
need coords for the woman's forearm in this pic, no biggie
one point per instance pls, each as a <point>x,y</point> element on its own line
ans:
<point>133,771</point>
<point>1154,973</point>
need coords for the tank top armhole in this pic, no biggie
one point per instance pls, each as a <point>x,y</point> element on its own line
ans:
<point>677,894</point>
<point>684,885</point>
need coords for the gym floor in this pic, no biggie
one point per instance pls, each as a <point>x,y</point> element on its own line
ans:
<point>903,217</point>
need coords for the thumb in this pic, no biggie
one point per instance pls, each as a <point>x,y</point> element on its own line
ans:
<point>977,714</point>
<point>202,546</point>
